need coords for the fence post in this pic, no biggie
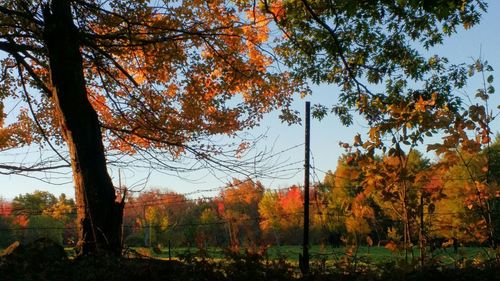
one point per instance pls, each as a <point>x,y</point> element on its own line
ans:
<point>304,259</point>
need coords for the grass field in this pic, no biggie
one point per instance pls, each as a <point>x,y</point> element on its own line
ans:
<point>367,254</point>
<point>375,255</point>
<point>39,263</point>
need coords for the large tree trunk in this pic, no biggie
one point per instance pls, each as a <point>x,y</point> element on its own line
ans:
<point>99,216</point>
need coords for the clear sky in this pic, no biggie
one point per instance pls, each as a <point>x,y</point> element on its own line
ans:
<point>325,135</point>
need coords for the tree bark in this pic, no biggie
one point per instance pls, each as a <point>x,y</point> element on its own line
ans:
<point>99,216</point>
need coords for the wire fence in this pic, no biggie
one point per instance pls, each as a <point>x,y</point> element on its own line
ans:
<point>246,225</point>
<point>243,223</point>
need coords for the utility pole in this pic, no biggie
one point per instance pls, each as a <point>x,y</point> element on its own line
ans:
<point>304,260</point>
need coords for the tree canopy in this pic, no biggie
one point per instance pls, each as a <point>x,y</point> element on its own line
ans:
<point>357,45</point>
<point>161,77</point>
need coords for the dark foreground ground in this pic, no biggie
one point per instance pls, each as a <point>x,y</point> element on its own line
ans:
<point>44,260</point>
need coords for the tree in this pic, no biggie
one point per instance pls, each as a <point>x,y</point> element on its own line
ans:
<point>347,209</point>
<point>405,125</point>
<point>404,118</point>
<point>451,217</point>
<point>469,212</point>
<point>156,223</point>
<point>239,208</point>
<point>33,203</point>
<point>471,135</point>
<point>154,80</point>
<point>291,202</point>
<point>155,214</point>
<point>271,215</point>
<point>357,44</point>
<point>210,227</point>
<point>400,187</point>
<point>64,210</point>
<point>47,212</point>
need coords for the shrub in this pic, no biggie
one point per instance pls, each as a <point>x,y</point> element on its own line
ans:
<point>44,227</point>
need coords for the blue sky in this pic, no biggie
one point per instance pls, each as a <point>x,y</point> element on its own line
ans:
<point>464,46</point>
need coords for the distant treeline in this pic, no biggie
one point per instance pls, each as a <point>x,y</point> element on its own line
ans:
<point>357,204</point>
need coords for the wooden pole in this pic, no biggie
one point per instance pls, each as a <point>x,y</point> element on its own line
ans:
<point>305,245</point>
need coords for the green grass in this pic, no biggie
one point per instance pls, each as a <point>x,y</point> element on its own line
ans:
<point>375,255</point>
